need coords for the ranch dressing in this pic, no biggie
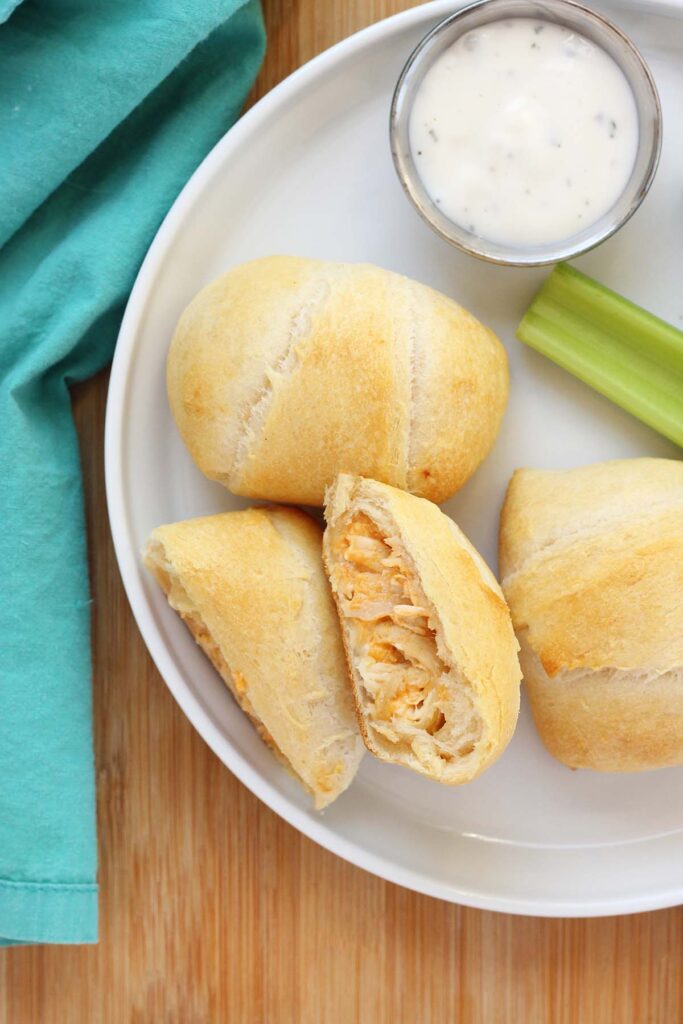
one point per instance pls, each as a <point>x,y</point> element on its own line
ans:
<point>524,132</point>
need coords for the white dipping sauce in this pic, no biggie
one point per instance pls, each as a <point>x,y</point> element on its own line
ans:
<point>524,132</point>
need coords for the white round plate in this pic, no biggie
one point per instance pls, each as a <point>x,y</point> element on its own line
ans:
<point>308,171</point>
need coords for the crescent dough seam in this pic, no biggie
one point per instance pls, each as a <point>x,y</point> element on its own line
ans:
<point>255,412</point>
<point>590,530</point>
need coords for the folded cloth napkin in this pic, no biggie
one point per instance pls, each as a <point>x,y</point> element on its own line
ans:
<point>106,109</point>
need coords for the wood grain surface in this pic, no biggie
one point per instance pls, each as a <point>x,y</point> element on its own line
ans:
<point>214,910</point>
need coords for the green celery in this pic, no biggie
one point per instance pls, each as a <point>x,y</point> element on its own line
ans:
<point>627,354</point>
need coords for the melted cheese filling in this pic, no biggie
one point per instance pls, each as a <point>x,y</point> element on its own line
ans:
<point>412,698</point>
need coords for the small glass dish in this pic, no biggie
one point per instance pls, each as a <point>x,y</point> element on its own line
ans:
<point>592,26</point>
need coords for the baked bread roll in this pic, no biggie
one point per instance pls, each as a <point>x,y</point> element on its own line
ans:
<point>592,567</point>
<point>251,588</point>
<point>286,371</point>
<point>428,637</point>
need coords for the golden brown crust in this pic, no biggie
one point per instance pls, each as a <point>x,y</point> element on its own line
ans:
<point>475,641</point>
<point>285,371</point>
<point>610,720</point>
<point>251,587</point>
<point>592,567</point>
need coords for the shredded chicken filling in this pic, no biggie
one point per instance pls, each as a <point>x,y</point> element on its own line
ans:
<point>411,697</point>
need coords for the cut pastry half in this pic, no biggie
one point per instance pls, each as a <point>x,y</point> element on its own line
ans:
<point>428,636</point>
<point>251,588</point>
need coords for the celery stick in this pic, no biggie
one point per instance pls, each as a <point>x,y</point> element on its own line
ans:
<point>627,354</point>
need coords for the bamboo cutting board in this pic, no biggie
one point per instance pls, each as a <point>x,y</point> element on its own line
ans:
<point>213,910</point>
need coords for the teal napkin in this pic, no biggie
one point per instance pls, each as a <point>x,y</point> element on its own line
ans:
<point>106,108</point>
<point>6,8</point>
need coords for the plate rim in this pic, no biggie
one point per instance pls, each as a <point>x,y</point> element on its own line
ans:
<point>128,558</point>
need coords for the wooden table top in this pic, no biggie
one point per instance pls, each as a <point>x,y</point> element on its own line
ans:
<point>214,910</point>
